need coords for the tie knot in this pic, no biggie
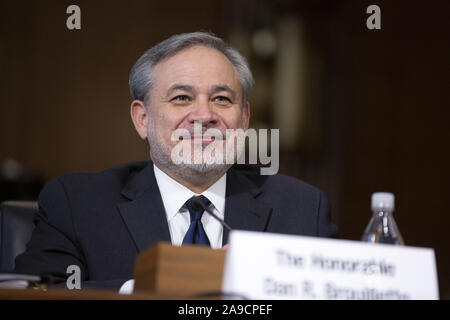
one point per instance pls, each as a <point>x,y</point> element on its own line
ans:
<point>196,234</point>
<point>195,207</point>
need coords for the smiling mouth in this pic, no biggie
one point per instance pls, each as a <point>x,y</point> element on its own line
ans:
<point>202,139</point>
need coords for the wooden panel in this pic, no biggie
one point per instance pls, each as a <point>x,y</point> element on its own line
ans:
<point>63,294</point>
<point>187,270</point>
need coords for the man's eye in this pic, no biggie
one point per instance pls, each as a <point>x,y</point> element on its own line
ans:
<point>221,99</point>
<point>181,98</point>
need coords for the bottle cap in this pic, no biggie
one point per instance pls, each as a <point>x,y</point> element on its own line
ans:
<point>383,200</point>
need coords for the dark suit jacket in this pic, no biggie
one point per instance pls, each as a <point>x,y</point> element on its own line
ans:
<point>101,221</point>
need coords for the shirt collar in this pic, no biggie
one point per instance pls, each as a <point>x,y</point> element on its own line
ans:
<point>174,194</point>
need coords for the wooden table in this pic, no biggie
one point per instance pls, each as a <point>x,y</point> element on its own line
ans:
<point>85,294</point>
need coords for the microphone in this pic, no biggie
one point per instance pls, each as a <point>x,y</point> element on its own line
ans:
<point>198,205</point>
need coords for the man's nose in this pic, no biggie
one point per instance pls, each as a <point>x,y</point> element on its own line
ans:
<point>203,112</point>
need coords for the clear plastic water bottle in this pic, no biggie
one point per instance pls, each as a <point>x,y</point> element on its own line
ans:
<point>382,227</point>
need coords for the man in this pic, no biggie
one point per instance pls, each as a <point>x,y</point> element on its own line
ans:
<point>100,222</point>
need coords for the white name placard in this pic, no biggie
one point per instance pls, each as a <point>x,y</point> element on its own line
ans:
<point>273,266</point>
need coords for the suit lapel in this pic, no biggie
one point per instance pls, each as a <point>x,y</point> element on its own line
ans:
<point>145,218</point>
<point>242,209</point>
<point>144,214</point>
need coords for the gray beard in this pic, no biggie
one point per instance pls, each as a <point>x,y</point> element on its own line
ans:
<point>193,172</point>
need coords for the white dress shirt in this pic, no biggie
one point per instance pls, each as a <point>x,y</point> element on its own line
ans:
<point>175,195</point>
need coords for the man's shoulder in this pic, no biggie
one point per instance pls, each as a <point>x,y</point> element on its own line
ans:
<point>279,182</point>
<point>112,178</point>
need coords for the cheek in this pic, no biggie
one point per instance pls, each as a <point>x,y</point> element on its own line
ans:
<point>235,120</point>
<point>165,124</point>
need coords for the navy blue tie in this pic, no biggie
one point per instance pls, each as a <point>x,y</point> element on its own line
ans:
<point>196,234</point>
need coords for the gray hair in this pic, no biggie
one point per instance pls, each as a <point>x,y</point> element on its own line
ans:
<point>141,79</point>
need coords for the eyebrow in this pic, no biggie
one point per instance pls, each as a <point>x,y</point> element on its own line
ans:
<point>224,87</point>
<point>182,87</point>
<point>189,88</point>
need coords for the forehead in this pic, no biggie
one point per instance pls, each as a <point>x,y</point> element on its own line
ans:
<point>197,66</point>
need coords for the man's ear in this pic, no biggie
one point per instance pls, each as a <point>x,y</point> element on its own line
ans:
<point>139,115</point>
<point>246,115</point>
